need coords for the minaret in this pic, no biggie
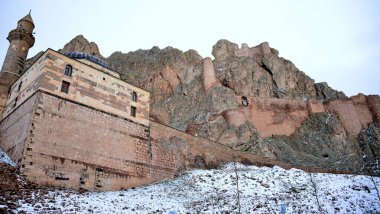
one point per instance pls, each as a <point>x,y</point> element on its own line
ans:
<point>20,40</point>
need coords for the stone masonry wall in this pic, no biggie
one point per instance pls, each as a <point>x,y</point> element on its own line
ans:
<point>14,130</point>
<point>193,152</point>
<point>75,146</point>
<point>273,116</point>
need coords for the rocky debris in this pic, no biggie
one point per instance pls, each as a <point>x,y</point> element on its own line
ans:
<point>369,140</point>
<point>16,191</point>
<point>326,93</point>
<point>81,44</point>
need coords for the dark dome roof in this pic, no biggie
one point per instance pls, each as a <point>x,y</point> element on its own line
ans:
<point>81,55</point>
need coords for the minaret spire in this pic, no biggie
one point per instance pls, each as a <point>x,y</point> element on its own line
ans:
<point>20,40</point>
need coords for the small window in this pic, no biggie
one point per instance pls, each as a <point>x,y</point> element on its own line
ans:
<point>65,87</point>
<point>15,103</point>
<point>244,101</point>
<point>68,70</point>
<point>19,86</point>
<point>133,111</point>
<point>134,96</point>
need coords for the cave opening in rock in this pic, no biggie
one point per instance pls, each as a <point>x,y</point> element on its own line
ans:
<point>244,101</point>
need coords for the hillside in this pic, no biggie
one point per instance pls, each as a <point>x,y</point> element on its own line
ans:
<point>251,99</point>
<point>261,190</point>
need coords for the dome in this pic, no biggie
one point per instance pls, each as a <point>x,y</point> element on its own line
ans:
<point>81,55</point>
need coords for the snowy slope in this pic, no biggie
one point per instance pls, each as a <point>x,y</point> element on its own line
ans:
<point>214,191</point>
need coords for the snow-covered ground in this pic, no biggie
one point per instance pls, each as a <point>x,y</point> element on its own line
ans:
<point>5,159</point>
<point>262,189</point>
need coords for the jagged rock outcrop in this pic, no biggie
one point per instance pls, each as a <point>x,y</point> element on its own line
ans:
<point>260,72</point>
<point>81,44</point>
<point>325,92</point>
<point>369,140</point>
<point>251,99</point>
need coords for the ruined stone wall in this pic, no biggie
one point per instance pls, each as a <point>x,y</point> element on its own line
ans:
<point>374,105</point>
<point>14,130</point>
<point>193,152</point>
<point>272,116</point>
<point>76,146</point>
<point>356,112</point>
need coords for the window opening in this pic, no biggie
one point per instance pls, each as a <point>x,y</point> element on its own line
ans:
<point>134,96</point>
<point>19,86</point>
<point>68,70</point>
<point>65,87</point>
<point>15,103</point>
<point>133,111</point>
<point>244,101</point>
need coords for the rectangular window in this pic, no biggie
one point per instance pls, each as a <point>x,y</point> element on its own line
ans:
<point>133,111</point>
<point>65,87</point>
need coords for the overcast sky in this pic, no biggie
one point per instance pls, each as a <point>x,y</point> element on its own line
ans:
<point>334,41</point>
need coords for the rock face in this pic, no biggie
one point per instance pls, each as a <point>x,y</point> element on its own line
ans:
<point>325,92</point>
<point>369,140</point>
<point>259,72</point>
<point>251,99</point>
<point>81,44</point>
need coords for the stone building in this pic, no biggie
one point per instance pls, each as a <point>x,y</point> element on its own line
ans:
<point>70,121</point>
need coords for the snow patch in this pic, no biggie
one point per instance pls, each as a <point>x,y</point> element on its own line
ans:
<point>4,158</point>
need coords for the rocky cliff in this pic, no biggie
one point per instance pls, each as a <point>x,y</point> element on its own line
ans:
<point>253,100</point>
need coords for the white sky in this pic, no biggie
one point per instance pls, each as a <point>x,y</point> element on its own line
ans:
<point>334,41</point>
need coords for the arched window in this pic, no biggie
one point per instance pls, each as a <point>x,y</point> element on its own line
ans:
<point>134,96</point>
<point>133,111</point>
<point>69,70</point>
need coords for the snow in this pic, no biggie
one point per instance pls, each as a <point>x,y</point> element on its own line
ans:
<point>4,158</point>
<point>261,190</point>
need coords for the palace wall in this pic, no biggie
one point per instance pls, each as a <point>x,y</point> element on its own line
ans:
<point>66,148</point>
